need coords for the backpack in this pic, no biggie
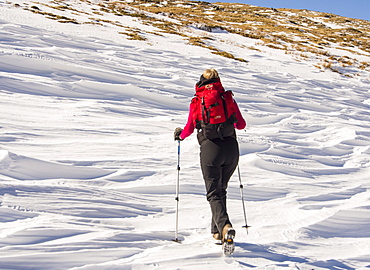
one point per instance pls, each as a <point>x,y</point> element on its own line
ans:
<point>214,112</point>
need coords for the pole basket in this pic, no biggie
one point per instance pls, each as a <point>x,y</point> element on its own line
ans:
<point>176,240</point>
<point>246,227</point>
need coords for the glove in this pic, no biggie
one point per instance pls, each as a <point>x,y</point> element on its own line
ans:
<point>177,134</point>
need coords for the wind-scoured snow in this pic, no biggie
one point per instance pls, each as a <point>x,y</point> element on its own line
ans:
<point>88,164</point>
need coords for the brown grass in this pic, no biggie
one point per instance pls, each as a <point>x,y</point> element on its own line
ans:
<point>304,31</point>
<point>134,35</point>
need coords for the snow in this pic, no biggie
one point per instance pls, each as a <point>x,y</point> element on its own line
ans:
<point>88,165</point>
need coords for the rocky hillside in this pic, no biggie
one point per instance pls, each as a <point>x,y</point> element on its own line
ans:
<point>325,40</point>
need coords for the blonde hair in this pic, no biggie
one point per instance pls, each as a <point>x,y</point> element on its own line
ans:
<point>210,73</point>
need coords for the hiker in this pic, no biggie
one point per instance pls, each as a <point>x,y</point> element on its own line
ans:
<point>219,150</point>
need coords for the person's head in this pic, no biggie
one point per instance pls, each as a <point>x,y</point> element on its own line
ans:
<point>210,73</point>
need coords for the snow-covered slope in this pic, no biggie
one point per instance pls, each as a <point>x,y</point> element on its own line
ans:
<point>88,161</point>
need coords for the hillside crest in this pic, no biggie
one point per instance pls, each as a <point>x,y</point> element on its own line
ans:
<point>327,41</point>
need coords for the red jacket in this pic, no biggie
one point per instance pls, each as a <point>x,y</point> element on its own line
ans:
<point>190,125</point>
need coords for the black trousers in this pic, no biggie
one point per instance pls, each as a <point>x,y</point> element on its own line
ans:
<point>218,159</point>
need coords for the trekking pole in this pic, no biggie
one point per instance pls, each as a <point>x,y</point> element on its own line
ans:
<point>241,194</point>
<point>177,194</point>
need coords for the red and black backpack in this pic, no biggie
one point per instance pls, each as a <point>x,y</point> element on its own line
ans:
<point>214,112</point>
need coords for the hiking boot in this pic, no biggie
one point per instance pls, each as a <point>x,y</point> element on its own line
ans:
<point>228,235</point>
<point>217,236</point>
<point>228,232</point>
